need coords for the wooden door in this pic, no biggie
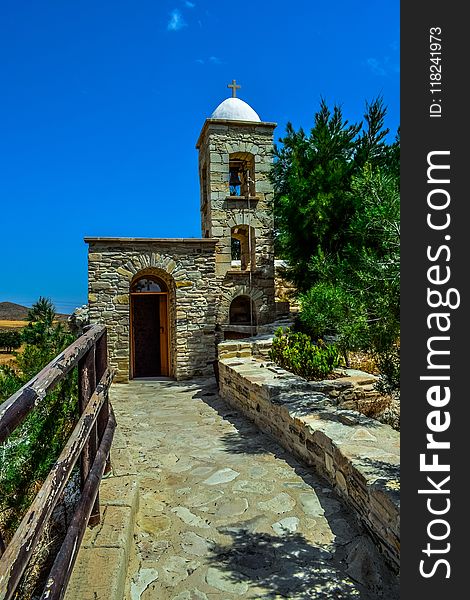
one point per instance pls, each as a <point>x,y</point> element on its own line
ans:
<point>146,335</point>
<point>149,335</point>
<point>164,338</point>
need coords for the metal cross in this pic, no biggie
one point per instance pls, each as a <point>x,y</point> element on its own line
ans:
<point>234,87</point>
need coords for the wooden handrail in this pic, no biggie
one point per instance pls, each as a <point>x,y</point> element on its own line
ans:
<point>90,440</point>
<point>62,568</point>
<point>14,410</point>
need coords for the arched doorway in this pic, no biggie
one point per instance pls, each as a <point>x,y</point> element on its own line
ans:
<point>242,311</point>
<point>149,327</point>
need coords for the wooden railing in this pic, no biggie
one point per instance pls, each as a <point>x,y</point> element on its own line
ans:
<point>90,441</point>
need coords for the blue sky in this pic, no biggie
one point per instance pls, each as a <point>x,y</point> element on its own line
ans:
<point>102,102</point>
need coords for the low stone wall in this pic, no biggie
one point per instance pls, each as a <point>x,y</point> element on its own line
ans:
<point>257,346</point>
<point>357,455</point>
<point>352,389</point>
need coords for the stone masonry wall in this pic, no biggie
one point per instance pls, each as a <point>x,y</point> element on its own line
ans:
<point>355,390</point>
<point>188,269</point>
<point>220,212</point>
<point>357,455</point>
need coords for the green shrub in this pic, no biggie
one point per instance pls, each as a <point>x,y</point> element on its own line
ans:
<point>328,309</point>
<point>388,363</point>
<point>299,354</point>
<point>30,451</point>
<point>28,454</point>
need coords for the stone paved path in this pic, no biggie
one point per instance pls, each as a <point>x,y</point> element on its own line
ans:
<point>225,512</point>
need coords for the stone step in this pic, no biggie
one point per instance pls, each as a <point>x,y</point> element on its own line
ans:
<point>101,567</point>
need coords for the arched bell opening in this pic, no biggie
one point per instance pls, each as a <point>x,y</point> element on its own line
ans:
<point>242,174</point>
<point>242,311</point>
<point>243,247</point>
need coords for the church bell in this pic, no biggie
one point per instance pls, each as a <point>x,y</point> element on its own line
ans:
<point>234,178</point>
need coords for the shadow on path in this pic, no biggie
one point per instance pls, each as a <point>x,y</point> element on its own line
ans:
<point>289,565</point>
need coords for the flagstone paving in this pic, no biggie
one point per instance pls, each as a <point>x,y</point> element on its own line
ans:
<point>225,513</point>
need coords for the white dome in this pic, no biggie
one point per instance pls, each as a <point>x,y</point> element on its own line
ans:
<point>235,110</point>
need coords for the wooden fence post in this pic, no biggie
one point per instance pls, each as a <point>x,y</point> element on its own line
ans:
<point>101,362</point>
<point>86,387</point>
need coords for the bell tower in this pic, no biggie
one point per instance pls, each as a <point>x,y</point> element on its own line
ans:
<point>235,157</point>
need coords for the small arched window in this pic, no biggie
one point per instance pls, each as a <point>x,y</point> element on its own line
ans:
<point>148,284</point>
<point>243,245</point>
<point>242,174</point>
<point>242,311</point>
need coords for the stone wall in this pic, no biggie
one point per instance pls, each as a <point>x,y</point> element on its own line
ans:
<point>285,291</point>
<point>357,455</point>
<point>351,389</point>
<point>188,269</point>
<point>221,212</point>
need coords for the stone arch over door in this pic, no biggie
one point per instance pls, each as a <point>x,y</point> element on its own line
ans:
<point>169,284</point>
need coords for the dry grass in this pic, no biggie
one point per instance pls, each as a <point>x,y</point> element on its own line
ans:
<point>362,361</point>
<point>6,324</point>
<point>6,358</point>
<point>16,324</point>
<point>384,408</point>
<point>374,407</point>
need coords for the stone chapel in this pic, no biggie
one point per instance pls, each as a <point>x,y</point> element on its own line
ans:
<point>167,302</point>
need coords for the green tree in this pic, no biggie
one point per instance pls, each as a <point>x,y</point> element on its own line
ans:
<point>42,311</point>
<point>376,272</point>
<point>28,454</point>
<point>10,340</point>
<point>338,226</point>
<point>312,177</point>
<point>43,336</point>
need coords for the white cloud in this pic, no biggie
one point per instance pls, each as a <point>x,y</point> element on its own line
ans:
<point>383,67</point>
<point>376,67</point>
<point>211,60</point>
<point>189,4</point>
<point>176,21</point>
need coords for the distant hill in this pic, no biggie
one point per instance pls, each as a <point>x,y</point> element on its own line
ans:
<point>9,311</point>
